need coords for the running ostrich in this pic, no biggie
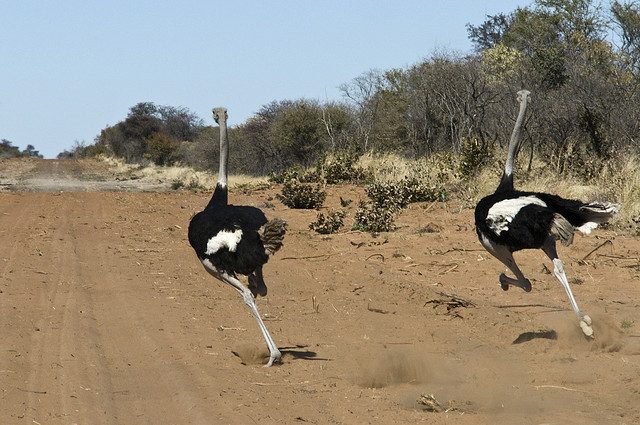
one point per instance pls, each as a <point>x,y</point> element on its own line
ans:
<point>231,239</point>
<point>510,220</point>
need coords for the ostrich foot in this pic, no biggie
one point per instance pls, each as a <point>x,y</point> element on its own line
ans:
<point>274,357</point>
<point>506,281</point>
<point>585,325</point>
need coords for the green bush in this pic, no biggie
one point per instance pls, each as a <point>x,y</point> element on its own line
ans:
<point>415,190</point>
<point>301,195</point>
<point>330,223</point>
<point>373,218</point>
<point>474,154</point>
<point>340,167</point>
<point>294,172</point>
<point>162,149</point>
<point>397,195</point>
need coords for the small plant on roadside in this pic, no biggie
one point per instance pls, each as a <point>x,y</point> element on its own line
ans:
<point>370,217</point>
<point>176,185</point>
<point>429,228</point>
<point>295,172</point>
<point>415,190</point>
<point>397,195</point>
<point>301,195</point>
<point>387,195</point>
<point>331,223</point>
<point>626,324</point>
<point>474,154</point>
<point>344,203</point>
<point>341,167</point>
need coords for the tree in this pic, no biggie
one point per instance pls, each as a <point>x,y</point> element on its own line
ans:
<point>7,150</point>
<point>30,151</point>
<point>362,94</point>
<point>626,17</point>
<point>161,128</point>
<point>162,149</point>
<point>490,33</point>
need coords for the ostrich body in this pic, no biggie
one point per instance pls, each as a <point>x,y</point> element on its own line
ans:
<point>231,240</point>
<point>510,220</point>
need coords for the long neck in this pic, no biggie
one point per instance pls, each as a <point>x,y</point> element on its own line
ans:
<point>220,194</point>
<point>224,155</point>
<point>506,183</point>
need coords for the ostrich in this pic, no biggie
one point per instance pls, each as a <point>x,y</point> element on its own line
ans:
<point>510,220</point>
<point>231,239</point>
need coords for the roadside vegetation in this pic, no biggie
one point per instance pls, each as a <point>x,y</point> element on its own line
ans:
<point>437,129</point>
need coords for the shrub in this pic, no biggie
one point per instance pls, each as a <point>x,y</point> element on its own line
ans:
<point>474,154</point>
<point>341,167</point>
<point>415,190</point>
<point>294,172</point>
<point>301,195</point>
<point>373,218</point>
<point>330,223</point>
<point>397,195</point>
<point>162,149</point>
<point>387,195</point>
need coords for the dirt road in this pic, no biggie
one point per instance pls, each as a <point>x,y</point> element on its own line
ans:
<point>108,318</point>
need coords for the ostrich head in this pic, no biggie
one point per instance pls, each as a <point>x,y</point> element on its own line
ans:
<point>524,96</point>
<point>220,114</point>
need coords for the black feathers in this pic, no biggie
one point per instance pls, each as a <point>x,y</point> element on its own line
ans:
<point>248,255</point>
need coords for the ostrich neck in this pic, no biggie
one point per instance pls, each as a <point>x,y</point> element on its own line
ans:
<point>221,194</point>
<point>514,146</point>
<point>224,155</point>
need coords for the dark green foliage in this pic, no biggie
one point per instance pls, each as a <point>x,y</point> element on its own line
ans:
<point>397,195</point>
<point>473,155</point>
<point>341,167</point>
<point>331,223</point>
<point>345,202</point>
<point>490,32</point>
<point>161,149</point>
<point>193,185</point>
<point>294,172</point>
<point>7,150</point>
<point>151,132</point>
<point>419,191</point>
<point>388,195</point>
<point>301,195</point>
<point>370,217</point>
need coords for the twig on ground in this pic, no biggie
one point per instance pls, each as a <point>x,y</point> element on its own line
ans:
<point>309,256</point>
<point>450,269</point>
<point>537,387</point>
<point>377,310</point>
<point>375,255</point>
<point>31,391</point>
<point>607,242</point>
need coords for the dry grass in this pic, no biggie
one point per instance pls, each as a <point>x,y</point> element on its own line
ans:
<point>619,181</point>
<point>180,176</point>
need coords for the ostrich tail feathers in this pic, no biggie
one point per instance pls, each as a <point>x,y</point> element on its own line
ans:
<point>272,235</point>
<point>600,212</point>
<point>562,230</point>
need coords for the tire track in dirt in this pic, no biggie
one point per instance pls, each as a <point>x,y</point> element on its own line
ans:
<point>16,221</point>
<point>151,374</point>
<point>67,350</point>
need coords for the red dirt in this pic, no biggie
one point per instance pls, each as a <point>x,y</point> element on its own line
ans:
<point>108,317</point>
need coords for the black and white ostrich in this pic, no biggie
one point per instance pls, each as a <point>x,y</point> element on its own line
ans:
<point>232,239</point>
<point>510,220</point>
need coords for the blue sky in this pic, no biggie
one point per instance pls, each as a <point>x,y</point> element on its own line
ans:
<point>70,68</point>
